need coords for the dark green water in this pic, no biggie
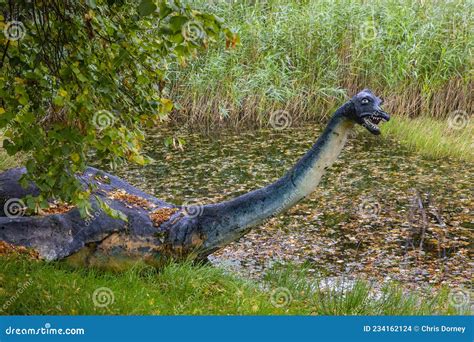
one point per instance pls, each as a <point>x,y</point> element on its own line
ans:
<point>362,221</point>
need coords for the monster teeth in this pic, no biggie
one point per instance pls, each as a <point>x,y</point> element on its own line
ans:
<point>368,122</point>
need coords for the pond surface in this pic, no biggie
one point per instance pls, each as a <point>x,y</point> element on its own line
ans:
<point>379,213</point>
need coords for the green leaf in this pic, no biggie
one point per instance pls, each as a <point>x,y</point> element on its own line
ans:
<point>146,7</point>
<point>30,165</point>
<point>91,3</point>
<point>9,147</point>
<point>177,22</point>
<point>58,100</point>
<point>117,214</point>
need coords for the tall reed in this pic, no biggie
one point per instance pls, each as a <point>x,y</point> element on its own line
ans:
<point>307,56</point>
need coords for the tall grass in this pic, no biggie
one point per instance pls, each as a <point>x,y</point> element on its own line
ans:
<point>307,56</point>
<point>7,161</point>
<point>433,138</point>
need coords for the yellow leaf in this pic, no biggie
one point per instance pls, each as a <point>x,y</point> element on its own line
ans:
<point>75,157</point>
<point>138,159</point>
<point>167,104</point>
<point>2,110</point>
<point>62,92</point>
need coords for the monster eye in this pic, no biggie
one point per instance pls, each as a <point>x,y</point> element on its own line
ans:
<point>364,101</point>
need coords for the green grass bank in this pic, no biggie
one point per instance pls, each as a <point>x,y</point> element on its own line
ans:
<point>32,287</point>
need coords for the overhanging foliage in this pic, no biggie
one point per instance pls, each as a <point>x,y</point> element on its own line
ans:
<point>82,79</point>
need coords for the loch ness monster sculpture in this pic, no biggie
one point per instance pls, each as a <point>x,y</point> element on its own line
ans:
<point>179,231</point>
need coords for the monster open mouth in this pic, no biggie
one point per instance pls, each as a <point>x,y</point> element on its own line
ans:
<point>371,121</point>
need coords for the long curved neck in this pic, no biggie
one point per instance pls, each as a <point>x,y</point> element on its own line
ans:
<point>245,211</point>
<point>308,171</point>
